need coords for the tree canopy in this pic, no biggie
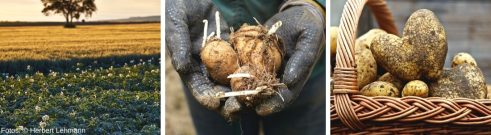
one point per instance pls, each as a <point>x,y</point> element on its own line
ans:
<point>70,9</point>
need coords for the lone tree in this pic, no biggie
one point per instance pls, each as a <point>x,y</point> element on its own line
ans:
<point>70,9</point>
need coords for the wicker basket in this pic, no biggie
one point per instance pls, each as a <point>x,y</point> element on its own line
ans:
<point>352,113</point>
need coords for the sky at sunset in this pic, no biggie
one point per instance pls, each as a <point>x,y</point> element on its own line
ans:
<point>30,10</point>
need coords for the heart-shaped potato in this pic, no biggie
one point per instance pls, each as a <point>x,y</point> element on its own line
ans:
<point>419,54</point>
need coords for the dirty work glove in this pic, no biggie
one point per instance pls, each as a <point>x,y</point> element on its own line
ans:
<point>184,35</point>
<point>303,35</point>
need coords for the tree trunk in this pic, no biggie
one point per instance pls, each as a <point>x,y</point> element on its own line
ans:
<point>66,20</point>
<point>69,21</point>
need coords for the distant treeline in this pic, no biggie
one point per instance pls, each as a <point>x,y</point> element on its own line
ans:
<point>15,24</point>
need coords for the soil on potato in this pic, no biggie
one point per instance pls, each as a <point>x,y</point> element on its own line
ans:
<point>177,117</point>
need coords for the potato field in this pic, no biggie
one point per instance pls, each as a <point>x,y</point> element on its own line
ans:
<point>101,78</point>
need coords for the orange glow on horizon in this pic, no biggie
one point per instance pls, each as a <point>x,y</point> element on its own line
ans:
<point>30,10</point>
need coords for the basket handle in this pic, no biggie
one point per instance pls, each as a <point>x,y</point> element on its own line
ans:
<point>345,75</point>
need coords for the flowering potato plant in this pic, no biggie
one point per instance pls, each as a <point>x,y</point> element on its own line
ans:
<point>101,100</point>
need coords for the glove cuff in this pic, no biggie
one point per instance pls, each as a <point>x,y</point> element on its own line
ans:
<point>311,5</point>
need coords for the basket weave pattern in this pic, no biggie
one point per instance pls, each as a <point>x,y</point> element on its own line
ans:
<point>354,113</point>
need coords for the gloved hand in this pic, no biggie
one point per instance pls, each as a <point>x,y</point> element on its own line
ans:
<point>184,35</point>
<point>303,35</point>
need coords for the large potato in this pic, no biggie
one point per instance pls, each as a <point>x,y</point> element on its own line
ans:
<point>380,88</point>
<point>462,81</point>
<point>419,54</point>
<point>257,49</point>
<point>415,88</point>
<point>366,65</point>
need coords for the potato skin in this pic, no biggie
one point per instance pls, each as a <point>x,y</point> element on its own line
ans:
<point>419,54</point>
<point>415,88</point>
<point>220,60</point>
<point>387,77</point>
<point>380,88</point>
<point>257,49</point>
<point>461,58</point>
<point>462,81</point>
<point>366,65</point>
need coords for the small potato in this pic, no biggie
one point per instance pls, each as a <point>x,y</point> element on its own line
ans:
<point>260,80</point>
<point>415,88</point>
<point>380,88</point>
<point>239,84</point>
<point>387,77</point>
<point>334,39</point>
<point>462,58</point>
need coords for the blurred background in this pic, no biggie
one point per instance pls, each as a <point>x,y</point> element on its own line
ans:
<point>177,117</point>
<point>466,22</point>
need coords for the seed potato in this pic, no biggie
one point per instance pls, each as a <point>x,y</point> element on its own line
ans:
<point>255,48</point>
<point>220,60</point>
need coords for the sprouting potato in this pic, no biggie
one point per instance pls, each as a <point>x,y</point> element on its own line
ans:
<point>220,59</point>
<point>256,48</point>
<point>259,79</point>
<point>248,61</point>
